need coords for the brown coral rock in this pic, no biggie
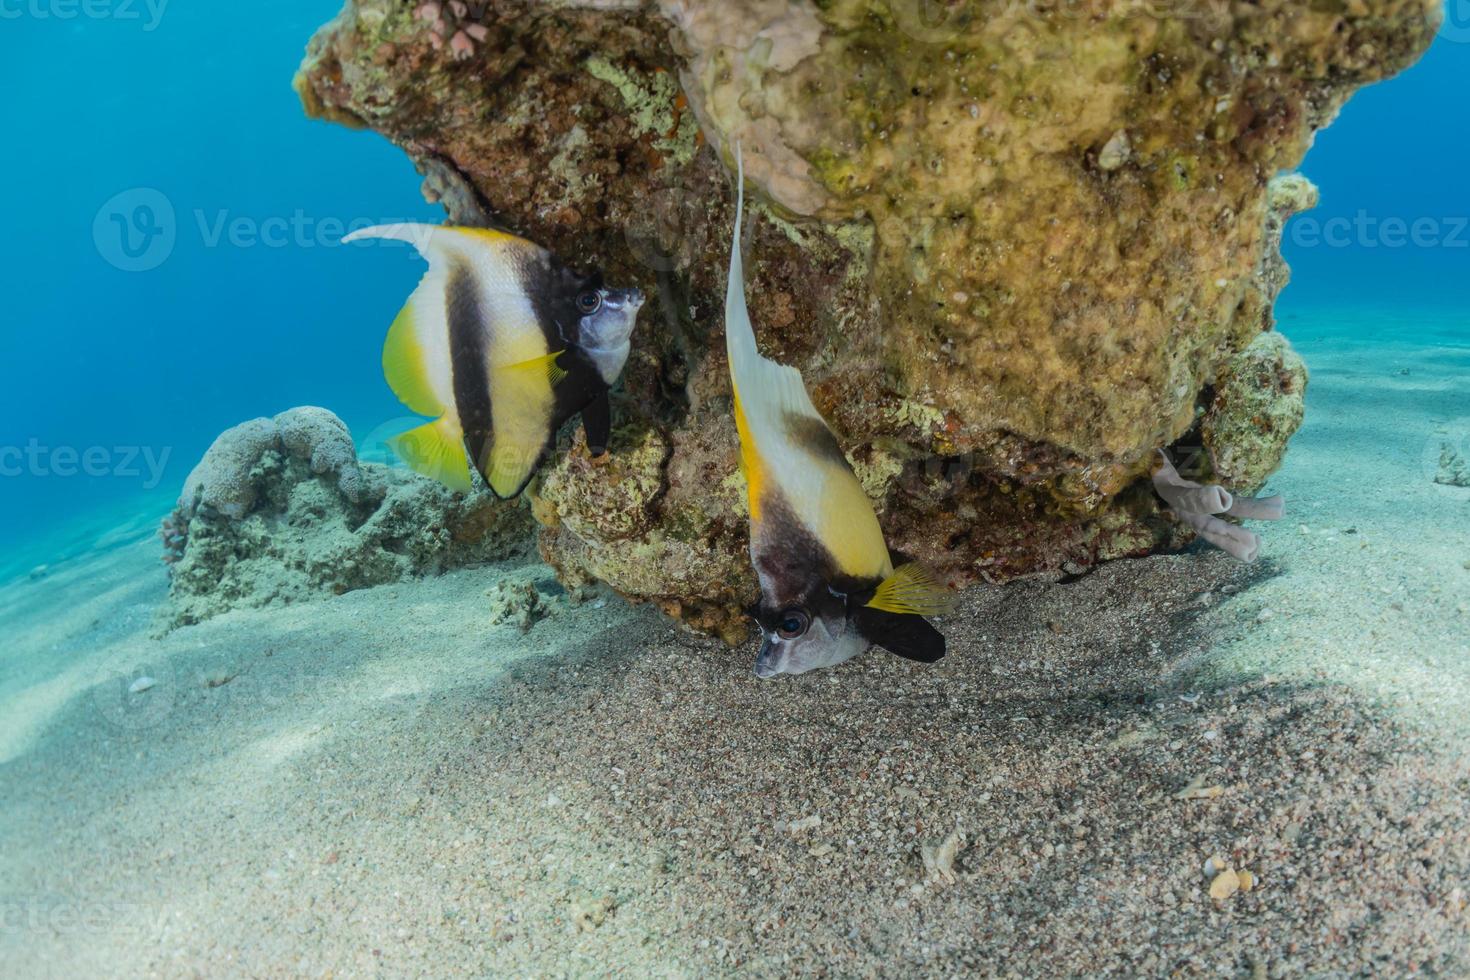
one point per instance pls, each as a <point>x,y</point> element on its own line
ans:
<point>1014,248</point>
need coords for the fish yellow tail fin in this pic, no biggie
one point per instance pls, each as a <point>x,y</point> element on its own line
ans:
<point>913,591</point>
<point>435,450</point>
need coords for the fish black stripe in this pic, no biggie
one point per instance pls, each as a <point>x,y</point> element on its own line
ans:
<point>814,436</point>
<point>467,362</point>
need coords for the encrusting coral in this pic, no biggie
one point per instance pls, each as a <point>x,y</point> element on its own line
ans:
<point>281,509</point>
<point>1014,248</point>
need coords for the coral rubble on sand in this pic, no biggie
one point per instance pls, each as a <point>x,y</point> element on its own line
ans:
<point>281,509</point>
<point>1014,250</point>
<point>1453,470</point>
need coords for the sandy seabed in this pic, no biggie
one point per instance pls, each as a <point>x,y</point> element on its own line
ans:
<point>385,783</point>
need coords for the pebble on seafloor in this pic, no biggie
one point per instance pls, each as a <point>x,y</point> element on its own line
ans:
<point>516,602</point>
<point>1454,470</point>
<point>1198,790</point>
<point>1225,884</point>
<point>590,912</point>
<point>218,677</point>
<point>797,826</point>
<point>939,858</point>
<point>1225,880</point>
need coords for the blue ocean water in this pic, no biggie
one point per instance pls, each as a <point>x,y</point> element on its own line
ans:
<point>172,267</point>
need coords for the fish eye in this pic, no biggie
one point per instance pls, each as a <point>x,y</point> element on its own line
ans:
<point>794,622</point>
<point>589,302</point>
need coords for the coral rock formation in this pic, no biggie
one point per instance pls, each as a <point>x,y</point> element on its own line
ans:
<point>281,509</point>
<point>1014,248</point>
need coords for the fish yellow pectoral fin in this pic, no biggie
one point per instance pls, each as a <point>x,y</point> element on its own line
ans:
<point>913,591</point>
<point>435,450</point>
<point>554,372</point>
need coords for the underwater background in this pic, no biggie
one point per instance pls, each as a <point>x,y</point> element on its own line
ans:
<point>1175,765</point>
<point>173,264</point>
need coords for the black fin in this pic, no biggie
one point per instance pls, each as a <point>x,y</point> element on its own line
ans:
<point>910,637</point>
<point>597,423</point>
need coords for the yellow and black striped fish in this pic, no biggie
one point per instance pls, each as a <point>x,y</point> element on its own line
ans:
<point>828,586</point>
<point>500,344</point>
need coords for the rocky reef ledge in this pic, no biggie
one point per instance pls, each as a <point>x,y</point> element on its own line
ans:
<point>1015,248</point>
<point>281,509</point>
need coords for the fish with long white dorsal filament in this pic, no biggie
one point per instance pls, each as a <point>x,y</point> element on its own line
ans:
<point>829,589</point>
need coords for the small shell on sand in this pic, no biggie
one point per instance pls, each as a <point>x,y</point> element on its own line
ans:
<point>589,913</point>
<point>1226,883</point>
<point>1197,790</point>
<point>141,684</point>
<point>218,677</point>
<point>939,858</point>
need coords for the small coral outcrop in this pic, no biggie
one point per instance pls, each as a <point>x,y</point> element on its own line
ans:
<point>281,510</point>
<point>1453,469</point>
<point>1258,405</point>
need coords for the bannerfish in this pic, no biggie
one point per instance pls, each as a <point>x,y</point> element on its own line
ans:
<point>828,586</point>
<point>500,344</point>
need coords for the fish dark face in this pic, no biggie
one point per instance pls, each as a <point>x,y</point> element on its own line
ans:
<point>607,318</point>
<point>804,637</point>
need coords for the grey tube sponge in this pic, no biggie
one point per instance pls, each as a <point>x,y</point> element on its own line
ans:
<point>1197,506</point>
